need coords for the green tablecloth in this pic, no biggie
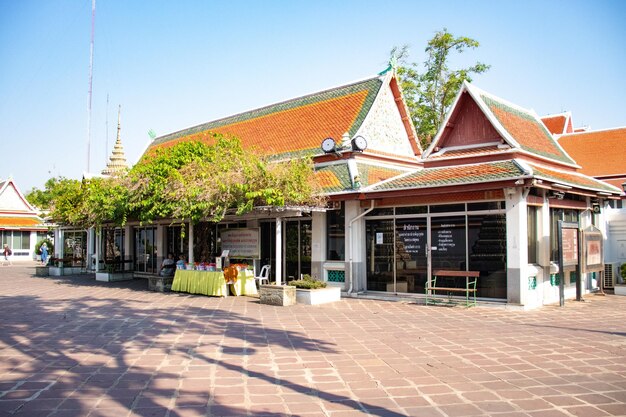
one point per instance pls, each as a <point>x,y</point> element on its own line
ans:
<point>212,283</point>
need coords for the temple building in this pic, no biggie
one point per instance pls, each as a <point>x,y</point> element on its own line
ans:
<point>485,196</point>
<point>20,225</point>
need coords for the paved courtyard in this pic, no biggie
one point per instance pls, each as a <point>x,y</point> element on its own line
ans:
<point>73,347</point>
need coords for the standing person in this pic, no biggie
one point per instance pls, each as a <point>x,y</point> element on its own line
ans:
<point>44,253</point>
<point>7,252</point>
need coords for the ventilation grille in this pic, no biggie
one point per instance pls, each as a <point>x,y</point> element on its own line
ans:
<point>609,275</point>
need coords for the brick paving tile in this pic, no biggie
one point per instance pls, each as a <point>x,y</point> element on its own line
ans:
<point>595,399</point>
<point>495,406</point>
<point>586,411</point>
<point>424,412</point>
<point>613,409</point>
<point>131,348</point>
<point>142,412</point>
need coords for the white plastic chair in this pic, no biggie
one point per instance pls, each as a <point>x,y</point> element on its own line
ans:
<point>264,275</point>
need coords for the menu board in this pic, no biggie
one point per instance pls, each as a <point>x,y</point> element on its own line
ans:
<point>592,245</point>
<point>570,246</point>
<point>412,236</point>
<point>241,243</point>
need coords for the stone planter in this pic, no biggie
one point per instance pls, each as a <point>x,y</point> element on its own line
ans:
<point>57,271</point>
<point>160,284</point>
<point>318,296</point>
<point>41,271</point>
<point>620,289</point>
<point>278,295</point>
<point>114,276</point>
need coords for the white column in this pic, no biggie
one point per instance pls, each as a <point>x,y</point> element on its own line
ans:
<point>60,242</point>
<point>279,250</point>
<point>516,246</point>
<point>33,242</point>
<point>318,242</point>
<point>98,245</point>
<point>191,242</point>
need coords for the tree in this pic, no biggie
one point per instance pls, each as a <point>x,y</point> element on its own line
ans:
<point>42,199</point>
<point>189,181</point>
<point>429,93</point>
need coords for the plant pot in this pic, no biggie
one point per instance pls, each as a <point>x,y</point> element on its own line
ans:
<point>114,276</point>
<point>278,295</point>
<point>620,289</point>
<point>41,271</point>
<point>318,296</point>
<point>160,284</point>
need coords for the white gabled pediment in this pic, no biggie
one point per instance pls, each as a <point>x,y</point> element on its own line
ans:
<point>11,199</point>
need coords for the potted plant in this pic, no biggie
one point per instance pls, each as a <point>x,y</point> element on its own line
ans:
<point>311,291</point>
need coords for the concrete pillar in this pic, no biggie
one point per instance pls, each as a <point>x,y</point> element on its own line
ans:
<point>318,244</point>
<point>191,243</point>
<point>517,246</point>
<point>279,250</point>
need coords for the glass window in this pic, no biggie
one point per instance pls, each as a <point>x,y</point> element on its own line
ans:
<point>75,246</point>
<point>336,234</point>
<point>412,210</point>
<point>17,241</point>
<point>532,234</point>
<point>448,243</point>
<point>447,208</point>
<point>489,205</point>
<point>487,253</point>
<point>386,211</point>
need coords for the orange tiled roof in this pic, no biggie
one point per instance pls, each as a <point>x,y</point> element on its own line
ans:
<point>527,130</point>
<point>293,127</point>
<point>555,124</point>
<point>572,179</point>
<point>601,152</point>
<point>19,222</point>
<point>455,175</point>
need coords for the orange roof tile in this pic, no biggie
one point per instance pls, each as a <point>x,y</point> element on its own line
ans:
<point>601,152</point>
<point>19,222</point>
<point>571,179</point>
<point>555,124</point>
<point>527,130</point>
<point>293,126</point>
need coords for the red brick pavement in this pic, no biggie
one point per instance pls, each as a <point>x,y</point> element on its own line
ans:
<point>75,347</point>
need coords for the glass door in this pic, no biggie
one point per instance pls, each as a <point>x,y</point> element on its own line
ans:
<point>411,255</point>
<point>145,249</point>
<point>297,248</point>
<point>379,238</point>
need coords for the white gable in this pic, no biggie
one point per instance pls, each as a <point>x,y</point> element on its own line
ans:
<point>383,127</point>
<point>11,200</point>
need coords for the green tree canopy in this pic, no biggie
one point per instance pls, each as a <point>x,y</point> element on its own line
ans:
<point>187,181</point>
<point>430,89</point>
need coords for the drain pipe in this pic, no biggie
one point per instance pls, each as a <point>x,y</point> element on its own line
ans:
<point>352,247</point>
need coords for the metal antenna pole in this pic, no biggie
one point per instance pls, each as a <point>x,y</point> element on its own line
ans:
<point>93,25</point>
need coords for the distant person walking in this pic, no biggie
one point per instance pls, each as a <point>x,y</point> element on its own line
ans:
<point>7,252</point>
<point>44,253</point>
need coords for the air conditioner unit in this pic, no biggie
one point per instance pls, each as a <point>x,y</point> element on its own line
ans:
<point>611,272</point>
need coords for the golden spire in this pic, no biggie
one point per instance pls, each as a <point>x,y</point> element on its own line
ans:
<point>117,161</point>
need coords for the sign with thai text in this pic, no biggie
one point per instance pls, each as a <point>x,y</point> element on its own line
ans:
<point>241,243</point>
<point>592,246</point>
<point>570,246</point>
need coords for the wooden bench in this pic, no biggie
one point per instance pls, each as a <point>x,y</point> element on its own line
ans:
<point>471,278</point>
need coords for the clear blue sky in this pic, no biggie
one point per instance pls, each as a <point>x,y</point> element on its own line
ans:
<point>175,64</point>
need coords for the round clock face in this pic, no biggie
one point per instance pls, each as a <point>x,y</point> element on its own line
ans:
<point>359,143</point>
<point>328,145</point>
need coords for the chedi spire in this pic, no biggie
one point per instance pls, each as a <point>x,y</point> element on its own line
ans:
<point>117,161</point>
